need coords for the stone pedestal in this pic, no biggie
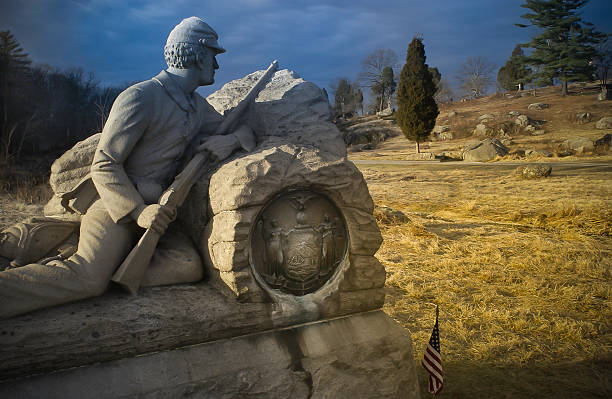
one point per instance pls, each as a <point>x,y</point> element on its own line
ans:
<point>365,355</point>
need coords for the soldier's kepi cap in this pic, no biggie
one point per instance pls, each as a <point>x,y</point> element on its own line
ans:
<point>195,31</point>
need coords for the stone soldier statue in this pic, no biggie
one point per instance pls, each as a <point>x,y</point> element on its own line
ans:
<point>142,145</point>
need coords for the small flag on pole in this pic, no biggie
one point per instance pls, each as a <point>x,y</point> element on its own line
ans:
<point>432,360</point>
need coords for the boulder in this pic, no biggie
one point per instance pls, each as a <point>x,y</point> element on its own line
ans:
<point>579,145</point>
<point>482,130</point>
<point>514,113</point>
<point>534,171</point>
<point>287,110</point>
<point>451,114</point>
<point>298,149</point>
<point>538,106</point>
<point>530,128</point>
<point>604,141</point>
<point>538,153</point>
<point>421,156</point>
<point>385,112</point>
<point>521,120</point>
<point>583,117</point>
<point>486,118</point>
<point>441,129</point>
<point>446,136</point>
<point>485,150</point>
<point>604,123</point>
<point>388,215</point>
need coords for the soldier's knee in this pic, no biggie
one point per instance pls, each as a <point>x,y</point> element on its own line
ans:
<point>93,287</point>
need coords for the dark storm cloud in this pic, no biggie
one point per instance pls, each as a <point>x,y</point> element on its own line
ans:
<point>122,41</point>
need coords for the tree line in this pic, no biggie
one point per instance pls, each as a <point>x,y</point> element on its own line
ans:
<point>45,109</point>
<point>566,49</point>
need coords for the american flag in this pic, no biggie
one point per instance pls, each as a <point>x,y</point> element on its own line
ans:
<point>432,360</point>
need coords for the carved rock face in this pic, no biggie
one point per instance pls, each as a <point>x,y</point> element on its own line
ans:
<point>298,241</point>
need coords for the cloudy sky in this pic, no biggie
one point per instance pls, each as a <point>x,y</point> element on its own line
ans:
<point>122,41</point>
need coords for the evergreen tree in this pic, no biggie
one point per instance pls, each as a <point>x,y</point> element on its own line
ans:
<point>13,64</point>
<point>565,48</point>
<point>384,89</point>
<point>416,108</point>
<point>345,98</point>
<point>515,72</point>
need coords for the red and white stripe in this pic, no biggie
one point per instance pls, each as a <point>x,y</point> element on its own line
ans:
<point>432,362</point>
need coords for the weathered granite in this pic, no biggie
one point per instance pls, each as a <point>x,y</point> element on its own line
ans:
<point>365,355</point>
<point>485,150</point>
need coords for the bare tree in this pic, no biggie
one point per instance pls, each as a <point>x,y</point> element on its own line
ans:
<point>373,74</point>
<point>444,92</point>
<point>474,76</point>
<point>603,61</point>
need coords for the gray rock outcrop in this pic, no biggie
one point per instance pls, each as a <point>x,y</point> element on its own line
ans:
<point>583,117</point>
<point>579,145</point>
<point>535,171</point>
<point>522,120</point>
<point>538,106</point>
<point>482,130</point>
<point>604,141</point>
<point>486,118</point>
<point>485,150</point>
<point>604,123</point>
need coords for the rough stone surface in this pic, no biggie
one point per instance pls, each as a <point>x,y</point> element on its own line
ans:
<point>604,141</point>
<point>485,150</point>
<point>482,130</point>
<point>538,132</point>
<point>446,136</point>
<point>289,110</point>
<point>296,150</point>
<point>579,145</point>
<point>421,156</point>
<point>514,113</point>
<point>73,165</point>
<point>583,117</point>
<point>535,171</point>
<point>441,129</point>
<point>385,112</point>
<point>364,355</point>
<point>538,106</point>
<point>604,123</point>
<point>486,118</point>
<point>538,153</point>
<point>522,120</point>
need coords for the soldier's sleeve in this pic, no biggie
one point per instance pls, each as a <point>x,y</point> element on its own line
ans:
<point>126,124</point>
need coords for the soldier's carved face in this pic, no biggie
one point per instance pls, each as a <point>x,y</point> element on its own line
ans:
<point>208,65</point>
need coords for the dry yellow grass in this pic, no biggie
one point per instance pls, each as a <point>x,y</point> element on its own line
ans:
<point>520,269</point>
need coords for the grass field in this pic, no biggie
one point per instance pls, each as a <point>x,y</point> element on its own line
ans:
<point>520,269</point>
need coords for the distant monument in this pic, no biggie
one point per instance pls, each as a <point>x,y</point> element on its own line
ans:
<point>284,232</point>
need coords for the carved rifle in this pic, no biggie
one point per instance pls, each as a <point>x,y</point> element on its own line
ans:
<point>129,274</point>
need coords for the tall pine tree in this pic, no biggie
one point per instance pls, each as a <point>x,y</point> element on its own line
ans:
<point>515,72</point>
<point>565,48</point>
<point>416,107</point>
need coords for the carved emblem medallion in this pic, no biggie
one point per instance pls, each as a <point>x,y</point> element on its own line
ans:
<point>298,241</point>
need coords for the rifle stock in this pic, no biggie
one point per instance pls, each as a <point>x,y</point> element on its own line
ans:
<point>130,272</point>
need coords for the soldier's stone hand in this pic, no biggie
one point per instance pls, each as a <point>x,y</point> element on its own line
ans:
<point>154,217</point>
<point>220,147</point>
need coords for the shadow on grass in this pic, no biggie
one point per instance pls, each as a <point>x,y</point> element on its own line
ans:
<point>583,379</point>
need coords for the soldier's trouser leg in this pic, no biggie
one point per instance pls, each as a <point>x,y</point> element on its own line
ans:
<point>103,244</point>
